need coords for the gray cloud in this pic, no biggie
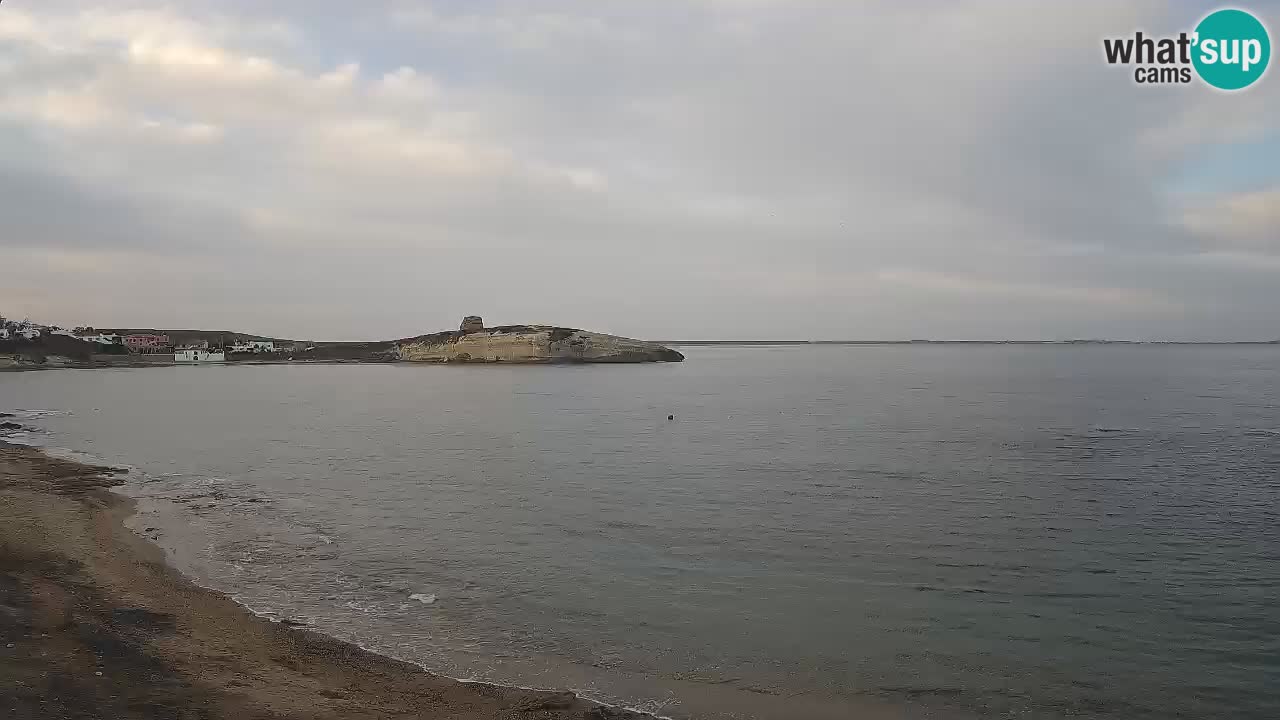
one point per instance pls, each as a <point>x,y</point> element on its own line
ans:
<point>709,168</point>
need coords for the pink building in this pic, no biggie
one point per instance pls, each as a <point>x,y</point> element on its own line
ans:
<point>147,343</point>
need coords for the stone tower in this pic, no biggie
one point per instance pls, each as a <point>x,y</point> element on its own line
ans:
<point>471,323</point>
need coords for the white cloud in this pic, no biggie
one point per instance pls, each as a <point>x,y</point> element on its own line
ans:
<point>525,28</point>
<point>407,85</point>
<point>968,286</point>
<point>1249,221</point>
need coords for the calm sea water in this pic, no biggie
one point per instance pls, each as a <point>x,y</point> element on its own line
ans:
<point>906,531</point>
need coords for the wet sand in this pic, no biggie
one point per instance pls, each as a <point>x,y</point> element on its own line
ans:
<point>93,624</point>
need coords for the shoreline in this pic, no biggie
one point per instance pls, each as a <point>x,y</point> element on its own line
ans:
<point>50,503</point>
<point>98,365</point>
<point>122,535</point>
<point>96,623</point>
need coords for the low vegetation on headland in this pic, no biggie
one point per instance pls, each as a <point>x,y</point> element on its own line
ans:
<point>27,345</point>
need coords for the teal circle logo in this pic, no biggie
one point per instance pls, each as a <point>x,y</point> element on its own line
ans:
<point>1232,49</point>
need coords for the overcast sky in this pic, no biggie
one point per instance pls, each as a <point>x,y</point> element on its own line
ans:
<point>655,168</point>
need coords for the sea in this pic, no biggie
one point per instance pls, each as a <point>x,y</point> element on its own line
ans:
<point>845,531</point>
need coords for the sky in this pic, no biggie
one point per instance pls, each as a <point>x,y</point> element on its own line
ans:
<point>663,169</point>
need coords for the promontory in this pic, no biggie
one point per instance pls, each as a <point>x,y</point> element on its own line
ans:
<point>472,342</point>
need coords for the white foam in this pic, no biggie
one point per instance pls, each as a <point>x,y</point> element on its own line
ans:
<point>23,413</point>
<point>423,598</point>
<point>20,437</point>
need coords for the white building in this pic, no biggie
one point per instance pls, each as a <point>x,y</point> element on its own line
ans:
<point>194,355</point>
<point>254,346</point>
<point>29,333</point>
<point>102,339</point>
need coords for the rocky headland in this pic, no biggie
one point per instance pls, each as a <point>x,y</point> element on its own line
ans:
<point>475,343</point>
<point>472,342</point>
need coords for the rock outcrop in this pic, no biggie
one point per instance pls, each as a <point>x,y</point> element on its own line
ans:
<point>529,344</point>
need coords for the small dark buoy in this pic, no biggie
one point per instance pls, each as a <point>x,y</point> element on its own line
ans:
<point>671,417</point>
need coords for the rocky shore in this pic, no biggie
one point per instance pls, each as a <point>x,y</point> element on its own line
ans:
<point>93,624</point>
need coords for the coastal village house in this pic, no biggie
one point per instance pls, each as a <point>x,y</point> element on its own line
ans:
<point>254,346</point>
<point>147,344</point>
<point>10,330</point>
<point>198,355</point>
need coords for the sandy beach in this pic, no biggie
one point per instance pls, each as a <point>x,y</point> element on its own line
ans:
<point>93,624</point>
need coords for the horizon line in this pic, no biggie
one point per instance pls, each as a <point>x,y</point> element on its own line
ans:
<point>1069,341</point>
<point>772,341</point>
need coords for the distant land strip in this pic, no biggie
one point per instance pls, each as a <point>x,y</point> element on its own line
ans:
<point>967,342</point>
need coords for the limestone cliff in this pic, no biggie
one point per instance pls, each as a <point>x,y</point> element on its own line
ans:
<point>529,344</point>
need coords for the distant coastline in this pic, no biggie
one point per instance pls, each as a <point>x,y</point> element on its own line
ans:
<point>31,346</point>
<point>695,343</point>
